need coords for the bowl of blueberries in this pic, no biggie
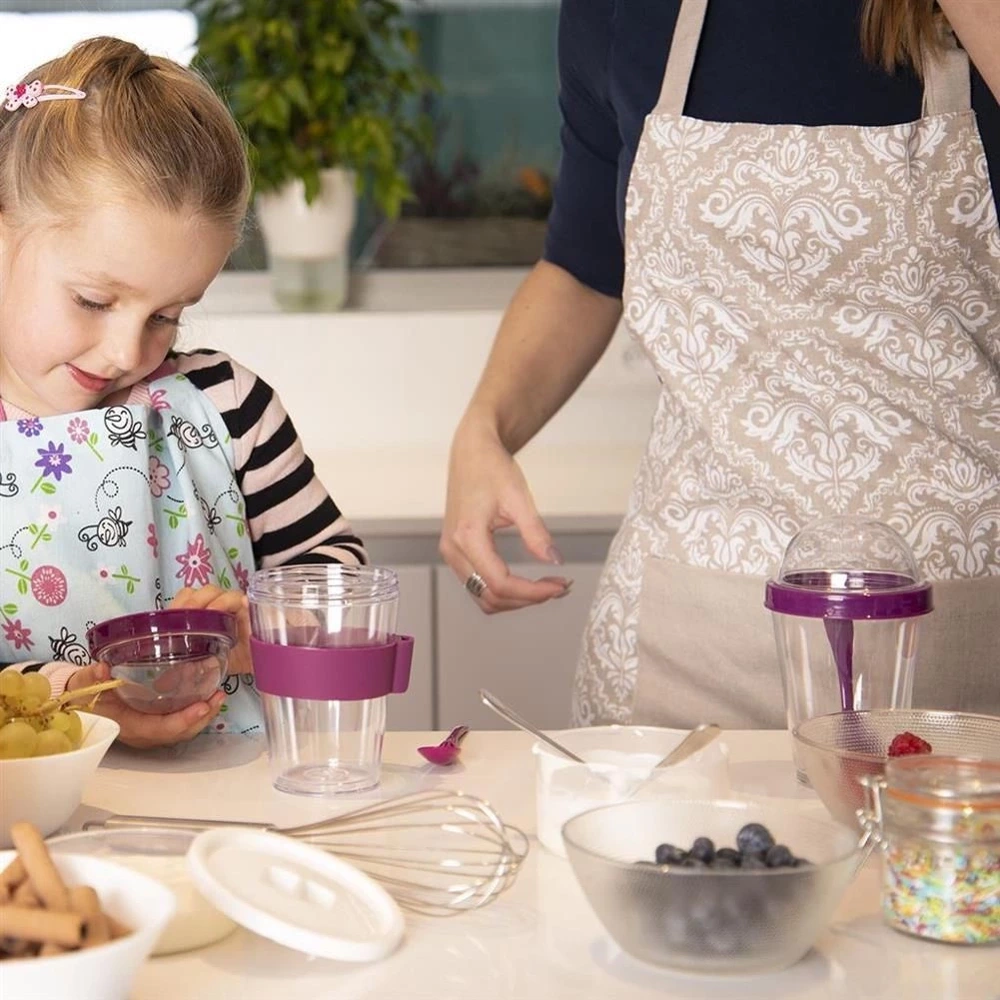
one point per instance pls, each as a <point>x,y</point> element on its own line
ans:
<point>712,887</point>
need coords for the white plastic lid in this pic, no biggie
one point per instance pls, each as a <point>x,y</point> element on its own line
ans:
<point>295,894</point>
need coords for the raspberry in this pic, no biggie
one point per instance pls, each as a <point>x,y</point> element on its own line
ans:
<point>905,744</point>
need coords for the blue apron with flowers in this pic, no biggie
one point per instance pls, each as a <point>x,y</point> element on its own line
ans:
<point>111,511</point>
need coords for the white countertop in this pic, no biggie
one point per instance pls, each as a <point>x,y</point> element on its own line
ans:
<point>540,941</point>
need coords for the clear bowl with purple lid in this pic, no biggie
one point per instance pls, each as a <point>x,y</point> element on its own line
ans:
<point>168,659</point>
<point>846,606</point>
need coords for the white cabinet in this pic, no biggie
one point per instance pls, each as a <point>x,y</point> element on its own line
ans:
<point>527,658</point>
<point>415,709</point>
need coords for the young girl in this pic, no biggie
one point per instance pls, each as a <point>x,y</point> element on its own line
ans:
<point>132,476</point>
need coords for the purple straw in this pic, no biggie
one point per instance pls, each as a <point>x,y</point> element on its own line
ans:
<point>840,632</point>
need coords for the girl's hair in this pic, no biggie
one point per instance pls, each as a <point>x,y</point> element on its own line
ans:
<point>148,128</point>
<point>897,32</point>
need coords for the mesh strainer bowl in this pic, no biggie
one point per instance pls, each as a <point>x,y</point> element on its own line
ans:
<point>704,921</point>
<point>836,751</point>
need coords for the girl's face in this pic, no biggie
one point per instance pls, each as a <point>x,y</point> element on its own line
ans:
<point>91,309</point>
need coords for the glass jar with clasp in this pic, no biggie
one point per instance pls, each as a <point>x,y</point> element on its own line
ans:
<point>937,821</point>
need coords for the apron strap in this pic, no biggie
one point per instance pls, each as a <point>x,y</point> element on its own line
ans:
<point>680,62</point>
<point>947,78</point>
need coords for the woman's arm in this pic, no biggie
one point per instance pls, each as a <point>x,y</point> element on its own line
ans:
<point>553,333</point>
<point>977,25</point>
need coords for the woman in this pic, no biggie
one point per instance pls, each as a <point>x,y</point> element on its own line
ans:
<point>819,293</point>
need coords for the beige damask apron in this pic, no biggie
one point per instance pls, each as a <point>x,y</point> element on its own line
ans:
<point>822,308</point>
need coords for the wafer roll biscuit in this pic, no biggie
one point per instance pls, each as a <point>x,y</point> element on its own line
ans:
<point>84,901</point>
<point>41,926</point>
<point>44,877</point>
<point>13,875</point>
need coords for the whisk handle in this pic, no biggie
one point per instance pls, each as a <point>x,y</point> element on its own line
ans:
<point>170,823</point>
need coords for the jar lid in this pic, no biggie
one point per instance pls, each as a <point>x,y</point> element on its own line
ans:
<point>848,568</point>
<point>166,621</point>
<point>295,894</point>
<point>929,781</point>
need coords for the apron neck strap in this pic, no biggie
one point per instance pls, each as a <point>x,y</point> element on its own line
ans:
<point>947,78</point>
<point>680,62</point>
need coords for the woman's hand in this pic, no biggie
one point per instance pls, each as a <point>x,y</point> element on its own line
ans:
<point>487,491</point>
<point>139,729</point>
<point>235,603</point>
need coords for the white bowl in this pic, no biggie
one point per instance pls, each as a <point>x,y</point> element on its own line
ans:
<point>161,854</point>
<point>105,972</point>
<point>619,760</point>
<point>45,791</point>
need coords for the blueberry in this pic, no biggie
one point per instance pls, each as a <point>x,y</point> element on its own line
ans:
<point>729,854</point>
<point>692,862</point>
<point>703,849</point>
<point>723,861</point>
<point>752,861</point>
<point>779,856</point>
<point>667,854</point>
<point>754,837</point>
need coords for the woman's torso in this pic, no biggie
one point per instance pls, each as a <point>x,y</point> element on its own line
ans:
<point>766,61</point>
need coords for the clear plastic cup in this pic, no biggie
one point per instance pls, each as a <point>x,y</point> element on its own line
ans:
<point>326,656</point>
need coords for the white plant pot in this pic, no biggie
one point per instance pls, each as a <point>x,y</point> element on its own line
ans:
<point>307,244</point>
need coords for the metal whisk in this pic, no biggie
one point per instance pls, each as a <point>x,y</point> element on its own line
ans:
<point>437,853</point>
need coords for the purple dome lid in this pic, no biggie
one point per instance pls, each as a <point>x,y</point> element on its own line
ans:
<point>850,568</point>
<point>167,621</point>
<point>854,595</point>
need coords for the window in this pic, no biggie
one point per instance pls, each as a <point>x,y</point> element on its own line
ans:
<point>486,191</point>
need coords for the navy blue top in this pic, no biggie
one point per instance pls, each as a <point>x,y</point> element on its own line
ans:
<point>767,61</point>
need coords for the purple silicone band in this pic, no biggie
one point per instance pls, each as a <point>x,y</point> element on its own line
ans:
<point>871,596</point>
<point>333,673</point>
<point>163,622</point>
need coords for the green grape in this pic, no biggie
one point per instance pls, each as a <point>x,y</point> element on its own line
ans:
<point>75,730</point>
<point>37,685</point>
<point>51,742</point>
<point>60,721</point>
<point>17,739</point>
<point>4,714</point>
<point>11,683</point>
<point>30,703</point>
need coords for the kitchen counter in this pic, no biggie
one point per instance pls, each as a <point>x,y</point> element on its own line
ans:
<point>540,941</point>
<point>401,491</point>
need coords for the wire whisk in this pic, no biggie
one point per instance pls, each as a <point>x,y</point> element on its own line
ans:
<point>438,853</point>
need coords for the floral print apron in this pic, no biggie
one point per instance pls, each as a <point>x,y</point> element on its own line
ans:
<point>111,511</point>
<point>822,309</point>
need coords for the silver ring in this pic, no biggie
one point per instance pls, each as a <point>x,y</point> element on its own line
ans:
<point>475,585</point>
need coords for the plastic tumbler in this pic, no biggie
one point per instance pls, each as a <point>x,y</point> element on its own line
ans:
<point>325,658</point>
<point>846,606</point>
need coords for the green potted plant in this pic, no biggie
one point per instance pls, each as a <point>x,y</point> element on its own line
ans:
<point>328,94</point>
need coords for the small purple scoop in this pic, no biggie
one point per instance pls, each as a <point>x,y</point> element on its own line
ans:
<point>446,752</point>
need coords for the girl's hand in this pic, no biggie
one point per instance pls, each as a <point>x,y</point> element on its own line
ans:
<point>139,729</point>
<point>235,603</point>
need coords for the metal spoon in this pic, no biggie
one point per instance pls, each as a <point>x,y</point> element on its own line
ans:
<point>699,737</point>
<point>492,702</point>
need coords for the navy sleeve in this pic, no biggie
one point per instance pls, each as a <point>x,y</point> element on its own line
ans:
<point>583,235</point>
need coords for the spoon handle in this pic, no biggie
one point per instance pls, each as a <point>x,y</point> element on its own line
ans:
<point>494,703</point>
<point>699,737</point>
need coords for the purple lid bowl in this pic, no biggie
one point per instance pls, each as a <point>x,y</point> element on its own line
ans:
<point>169,621</point>
<point>858,595</point>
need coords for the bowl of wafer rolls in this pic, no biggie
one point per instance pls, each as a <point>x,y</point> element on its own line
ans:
<point>73,925</point>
